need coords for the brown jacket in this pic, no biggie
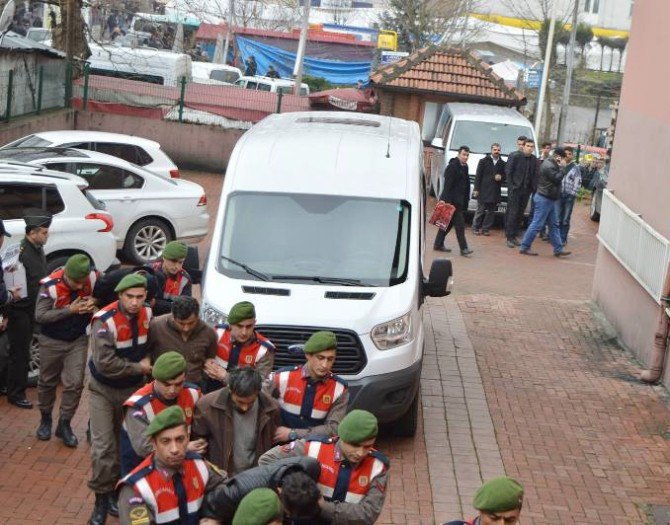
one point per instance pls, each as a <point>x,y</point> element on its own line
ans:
<point>201,345</point>
<point>213,420</point>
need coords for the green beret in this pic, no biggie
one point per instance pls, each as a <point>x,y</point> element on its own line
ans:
<point>78,266</point>
<point>169,418</point>
<point>168,366</point>
<point>175,250</point>
<point>241,312</point>
<point>258,508</point>
<point>132,280</point>
<point>358,426</point>
<point>320,341</point>
<point>499,495</point>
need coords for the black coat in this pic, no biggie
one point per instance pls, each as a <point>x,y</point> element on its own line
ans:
<point>549,181</point>
<point>485,183</point>
<point>521,172</point>
<point>456,188</point>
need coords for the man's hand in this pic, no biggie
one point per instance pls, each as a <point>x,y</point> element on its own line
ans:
<point>498,177</point>
<point>78,306</point>
<point>281,435</point>
<point>3,323</point>
<point>199,446</point>
<point>215,371</point>
<point>15,293</point>
<point>475,194</point>
<point>145,363</point>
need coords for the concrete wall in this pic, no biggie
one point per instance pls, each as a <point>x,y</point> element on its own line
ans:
<point>639,173</point>
<point>189,145</point>
<point>48,121</point>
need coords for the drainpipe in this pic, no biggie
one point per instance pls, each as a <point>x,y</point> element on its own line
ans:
<point>655,371</point>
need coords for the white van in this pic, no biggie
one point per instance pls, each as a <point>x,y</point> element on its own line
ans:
<point>321,226</point>
<point>144,64</point>
<point>208,73</point>
<point>273,85</point>
<point>478,126</point>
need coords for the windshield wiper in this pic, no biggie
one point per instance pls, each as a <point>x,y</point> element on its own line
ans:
<point>260,275</point>
<point>324,280</point>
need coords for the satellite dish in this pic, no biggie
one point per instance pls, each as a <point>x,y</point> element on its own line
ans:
<point>7,16</point>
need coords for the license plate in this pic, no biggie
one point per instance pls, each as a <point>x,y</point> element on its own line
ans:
<point>502,208</point>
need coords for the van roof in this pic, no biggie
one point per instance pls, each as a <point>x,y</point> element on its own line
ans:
<point>129,55</point>
<point>487,113</point>
<point>328,152</point>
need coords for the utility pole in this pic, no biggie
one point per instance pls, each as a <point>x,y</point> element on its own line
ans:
<point>545,69</point>
<point>226,44</point>
<point>69,30</point>
<point>568,77</point>
<point>302,44</point>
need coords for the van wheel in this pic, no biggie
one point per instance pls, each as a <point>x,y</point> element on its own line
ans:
<point>406,425</point>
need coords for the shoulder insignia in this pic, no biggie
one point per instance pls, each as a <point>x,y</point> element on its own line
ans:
<point>138,513</point>
<point>340,380</point>
<point>321,439</point>
<point>101,331</point>
<point>267,344</point>
<point>216,469</point>
<point>46,282</point>
<point>107,315</point>
<point>381,457</point>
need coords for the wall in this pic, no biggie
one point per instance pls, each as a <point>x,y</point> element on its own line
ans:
<point>48,121</point>
<point>638,175</point>
<point>188,145</point>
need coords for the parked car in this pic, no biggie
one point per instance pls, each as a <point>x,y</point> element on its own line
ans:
<point>272,85</point>
<point>332,238</point>
<point>138,150</point>
<point>149,211</point>
<point>208,73</point>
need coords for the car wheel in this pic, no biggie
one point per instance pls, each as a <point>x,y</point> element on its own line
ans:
<point>56,262</point>
<point>146,240</point>
<point>34,362</point>
<point>408,422</point>
<point>593,213</point>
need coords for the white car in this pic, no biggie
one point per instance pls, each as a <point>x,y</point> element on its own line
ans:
<point>79,224</point>
<point>138,150</point>
<point>208,73</point>
<point>273,85</point>
<point>149,211</point>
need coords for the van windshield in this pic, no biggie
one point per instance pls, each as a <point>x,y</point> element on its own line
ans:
<point>316,238</point>
<point>479,136</point>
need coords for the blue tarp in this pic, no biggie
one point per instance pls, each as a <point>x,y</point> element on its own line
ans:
<point>333,71</point>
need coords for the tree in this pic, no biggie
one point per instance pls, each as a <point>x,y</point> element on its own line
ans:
<point>584,37</point>
<point>420,22</point>
<point>604,43</point>
<point>620,45</point>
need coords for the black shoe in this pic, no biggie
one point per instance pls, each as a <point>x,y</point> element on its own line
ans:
<point>510,243</point>
<point>64,431</point>
<point>527,252</point>
<point>112,504</point>
<point>442,249</point>
<point>485,233</point>
<point>562,254</point>
<point>99,515</point>
<point>466,252</point>
<point>21,403</point>
<point>44,430</point>
<point>477,232</point>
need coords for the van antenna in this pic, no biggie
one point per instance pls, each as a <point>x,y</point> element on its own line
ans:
<point>388,142</point>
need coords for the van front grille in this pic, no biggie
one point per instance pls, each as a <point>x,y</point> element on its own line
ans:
<point>350,358</point>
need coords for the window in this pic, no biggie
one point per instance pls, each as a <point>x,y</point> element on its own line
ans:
<point>264,87</point>
<point>591,6</point>
<point>16,198</point>
<point>587,6</point>
<point>127,152</point>
<point>251,85</point>
<point>143,158</point>
<point>479,136</point>
<point>77,145</point>
<point>223,75</point>
<point>30,141</point>
<point>105,177</point>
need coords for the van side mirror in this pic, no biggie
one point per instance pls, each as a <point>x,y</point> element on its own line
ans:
<point>439,280</point>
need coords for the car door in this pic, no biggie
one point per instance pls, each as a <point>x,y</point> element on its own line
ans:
<point>118,188</point>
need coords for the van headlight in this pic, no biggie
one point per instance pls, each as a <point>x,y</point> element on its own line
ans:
<point>212,316</point>
<point>393,333</point>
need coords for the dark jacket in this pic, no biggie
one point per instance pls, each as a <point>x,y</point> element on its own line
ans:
<point>35,264</point>
<point>104,287</point>
<point>485,183</point>
<point>520,172</point>
<point>456,185</point>
<point>213,420</point>
<point>549,181</point>
<point>221,503</point>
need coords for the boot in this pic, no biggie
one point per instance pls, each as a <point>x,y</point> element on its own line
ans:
<point>44,430</point>
<point>112,504</point>
<point>64,431</point>
<point>99,516</point>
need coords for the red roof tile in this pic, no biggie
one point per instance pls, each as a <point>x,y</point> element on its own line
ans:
<point>446,71</point>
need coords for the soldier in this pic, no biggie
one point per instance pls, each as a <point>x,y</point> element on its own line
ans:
<point>6,296</point>
<point>168,388</point>
<point>168,486</point>
<point>353,475</point>
<point>173,280</point>
<point>239,345</point>
<point>259,507</point>
<point>64,309</point>
<point>312,399</point>
<point>118,364</point>
<point>498,501</point>
<point>21,313</point>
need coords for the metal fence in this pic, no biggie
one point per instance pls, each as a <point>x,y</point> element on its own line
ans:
<point>29,90</point>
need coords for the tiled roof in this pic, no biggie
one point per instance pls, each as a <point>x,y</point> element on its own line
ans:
<point>448,72</point>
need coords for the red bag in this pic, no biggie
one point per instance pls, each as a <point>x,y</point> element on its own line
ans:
<point>442,215</point>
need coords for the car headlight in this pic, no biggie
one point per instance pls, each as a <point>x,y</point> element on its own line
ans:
<point>393,333</point>
<point>212,316</point>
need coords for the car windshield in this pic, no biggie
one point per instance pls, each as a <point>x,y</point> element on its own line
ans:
<point>31,141</point>
<point>479,136</point>
<point>24,154</point>
<point>316,238</point>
